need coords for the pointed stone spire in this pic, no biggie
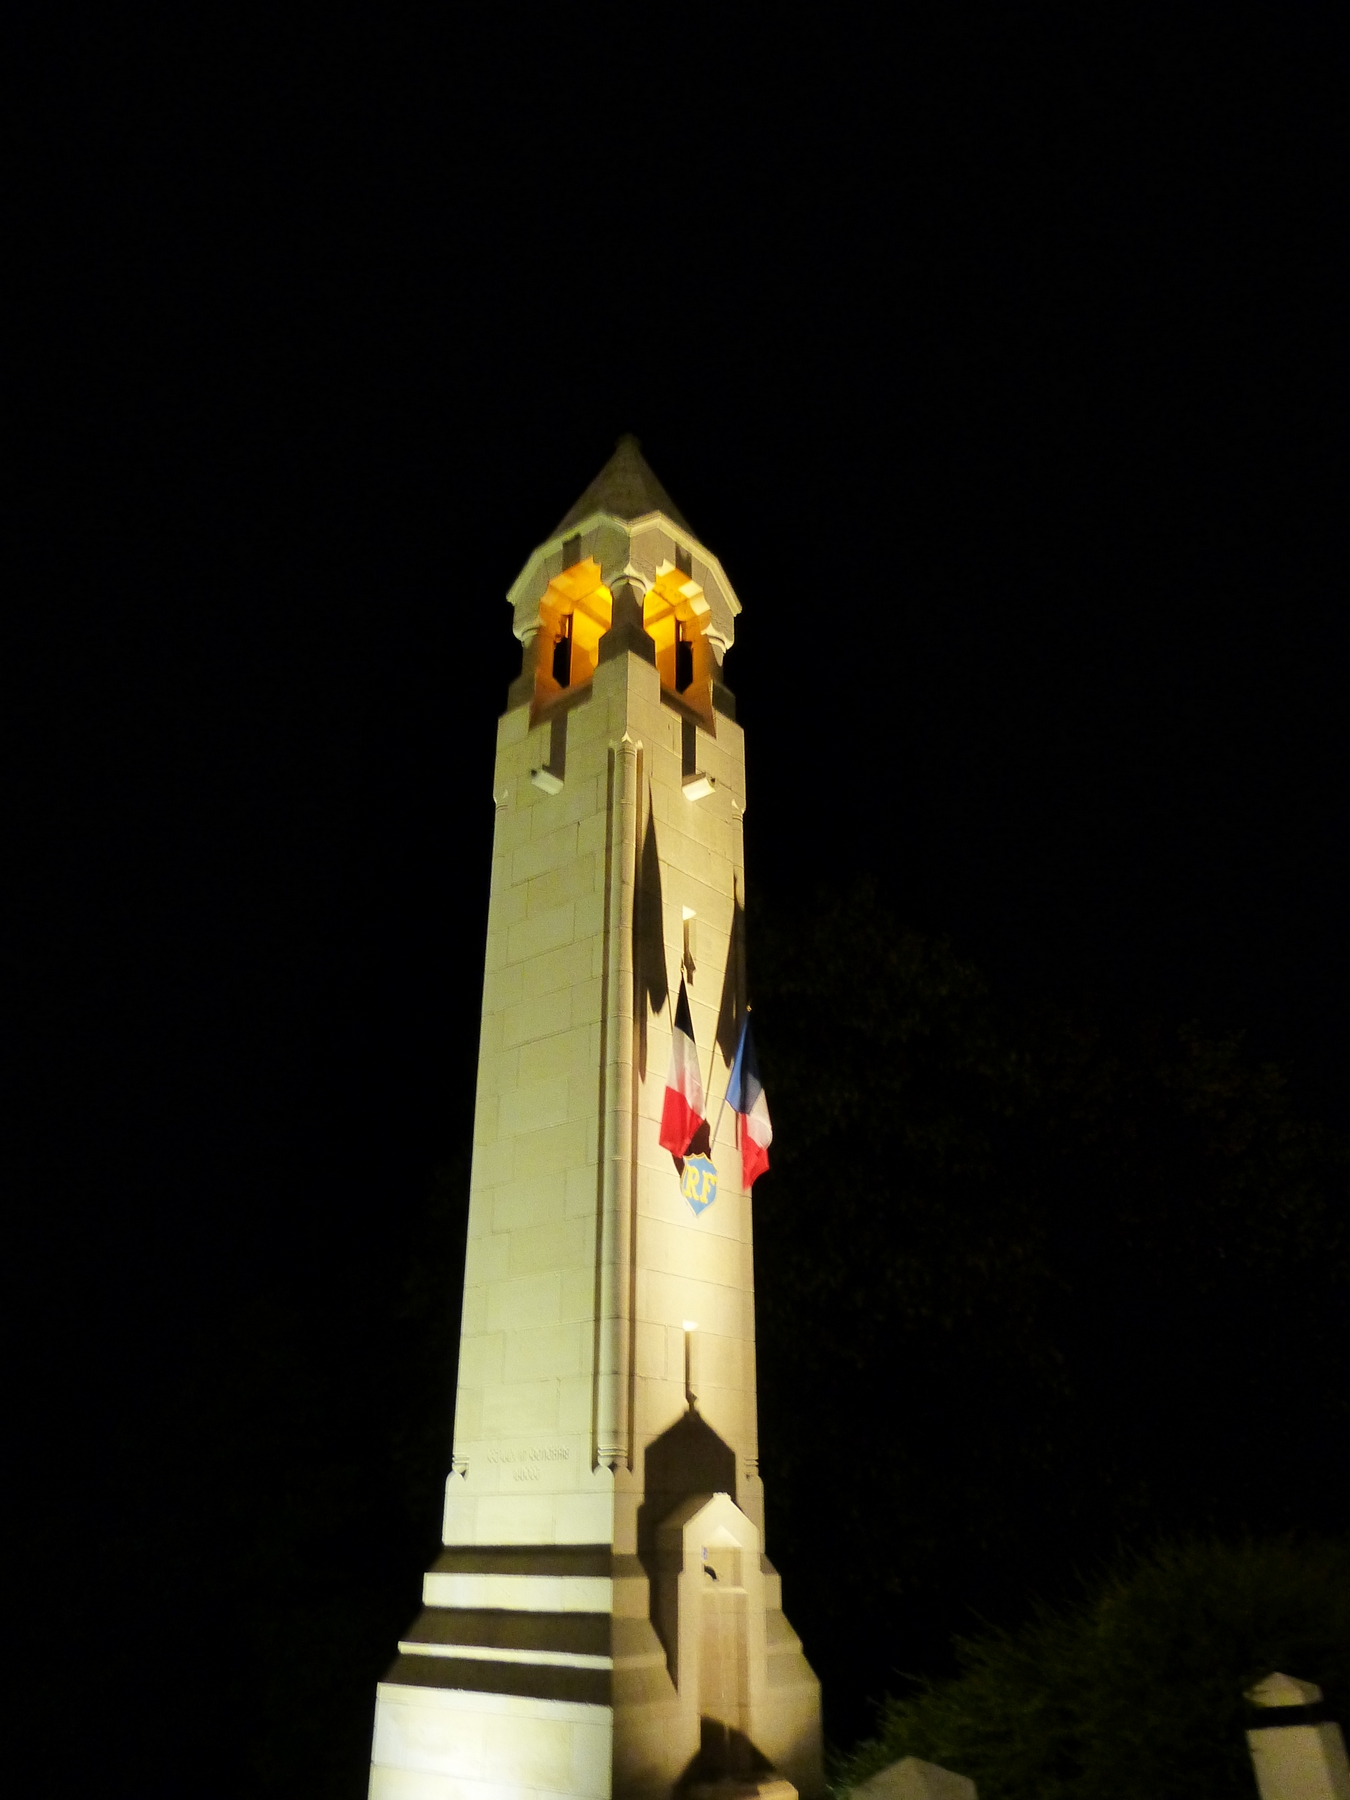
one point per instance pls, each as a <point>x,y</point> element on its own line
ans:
<point>625,487</point>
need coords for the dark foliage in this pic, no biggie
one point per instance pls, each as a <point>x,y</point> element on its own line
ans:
<point>1030,1286</point>
<point>1136,1691</point>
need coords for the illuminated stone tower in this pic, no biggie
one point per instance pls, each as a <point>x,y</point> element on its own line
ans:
<point>602,1620</point>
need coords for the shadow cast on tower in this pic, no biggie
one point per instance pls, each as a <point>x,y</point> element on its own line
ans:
<point>687,1459</point>
<point>651,988</point>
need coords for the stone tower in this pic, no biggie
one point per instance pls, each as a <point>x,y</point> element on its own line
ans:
<point>603,1620</point>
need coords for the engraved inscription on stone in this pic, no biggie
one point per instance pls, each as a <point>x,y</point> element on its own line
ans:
<point>527,1461</point>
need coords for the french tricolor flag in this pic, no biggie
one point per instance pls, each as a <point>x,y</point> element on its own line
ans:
<point>745,1097</point>
<point>682,1113</point>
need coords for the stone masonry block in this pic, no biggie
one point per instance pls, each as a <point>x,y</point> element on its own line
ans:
<point>580,1202</point>
<point>576,879</point>
<point>721,1361</point>
<point>574,1406</point>
<point>508,908</point>
<point>490,1034</point>
<point>727,1312</point>
<point>585,1519</point>
<point>723,1410</point>
<point>513,828</point>
<point>694,858</point>
<point>691,1251</point>
<point>577,1303</point>
<point>414,1738</point>
<point>481,1359</point>
<point>528,1200</point>
<point>591,834</point>
<point>561,1148</point>
<point>534,1754</point>
<point>468,1413</point>
<point>589,915</point>
<point>554,848</point>
<point>670,1299</point>
<point>546,931</point>
<point>663,1402</point>
<point>473,1312</point>
<point>527,1302</point>
<point>554,970</point>
<point>586,725</point>
<point>510,1411</point>
<point>583,792</point>
<point>539,1016</point>
<point>533,1355</point>
<point>513,727</point>
<point>417,1784</point>
<point>583,1096</point>
<point>517,1519</point>
<point>502,987</point>
<point>533,1106</point>
<point>651,1349</point>
<point>488,1260</point>
<point>567,1053</point>
<point>558,1247</point>
<point>587,756</point>
<point>725,1220</point>
<point>497,1070</point>
<point>491,1166</point>
<point>659,1195</point>
<point>585,1002</point>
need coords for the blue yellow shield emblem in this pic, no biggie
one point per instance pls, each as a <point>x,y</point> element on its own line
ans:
<point>698,1182</point>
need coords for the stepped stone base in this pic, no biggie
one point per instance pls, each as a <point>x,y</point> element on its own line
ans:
<point>540,1670</point>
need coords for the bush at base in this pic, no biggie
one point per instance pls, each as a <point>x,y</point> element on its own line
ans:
<point>1136,1693</point>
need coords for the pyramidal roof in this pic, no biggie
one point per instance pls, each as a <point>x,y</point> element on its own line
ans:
<point>626,488</point>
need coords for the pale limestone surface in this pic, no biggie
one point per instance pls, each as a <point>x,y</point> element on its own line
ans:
<point>1296,1760</point>
<point>1284,1690</point>
<point>1300,1762</point>
<point>488,1745</point>
<point>588,1491</point>
<point>912,1779</point>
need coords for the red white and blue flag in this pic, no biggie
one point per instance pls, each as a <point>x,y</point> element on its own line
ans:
<point>745,1097</point>
<point>682,1113</point>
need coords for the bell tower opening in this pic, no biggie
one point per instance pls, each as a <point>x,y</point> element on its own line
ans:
<point>577,609</point>
<point>574,614</point>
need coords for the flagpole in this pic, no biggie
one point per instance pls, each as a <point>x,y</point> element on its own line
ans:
<point>727,1089</point>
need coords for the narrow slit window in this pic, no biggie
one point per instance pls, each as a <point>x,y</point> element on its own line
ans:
<point>684,657</point>
<point>689,955</point>
<point>562,653</point>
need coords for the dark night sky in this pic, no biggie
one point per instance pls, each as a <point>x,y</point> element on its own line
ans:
<point>1002,361</point>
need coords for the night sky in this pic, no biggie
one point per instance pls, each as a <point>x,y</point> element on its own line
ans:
<point>1001,360</point>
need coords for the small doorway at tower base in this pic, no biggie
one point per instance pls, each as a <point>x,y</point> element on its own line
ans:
<point>711,1599</point>
<point>729,1767</point>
